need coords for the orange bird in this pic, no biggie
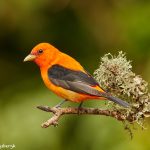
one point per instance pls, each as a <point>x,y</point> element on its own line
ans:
<point>65,76</point>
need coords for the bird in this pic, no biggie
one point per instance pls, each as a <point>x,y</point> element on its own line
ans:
<point>66,77</point>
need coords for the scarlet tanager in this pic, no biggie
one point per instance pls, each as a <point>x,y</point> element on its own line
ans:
<point>63,75</point>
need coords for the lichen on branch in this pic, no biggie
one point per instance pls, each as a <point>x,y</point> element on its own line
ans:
<point>115,75</point>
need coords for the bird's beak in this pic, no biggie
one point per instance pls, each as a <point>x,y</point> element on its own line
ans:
<point>30,57</point>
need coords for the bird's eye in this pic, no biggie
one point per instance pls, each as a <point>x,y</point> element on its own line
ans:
<point>40,51</point>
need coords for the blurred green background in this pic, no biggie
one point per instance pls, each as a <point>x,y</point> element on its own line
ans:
<point>86,30</point>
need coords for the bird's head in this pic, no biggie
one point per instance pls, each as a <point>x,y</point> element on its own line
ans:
<point>42,54</point>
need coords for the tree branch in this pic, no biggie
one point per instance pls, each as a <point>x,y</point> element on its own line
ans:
<point>58,112</point>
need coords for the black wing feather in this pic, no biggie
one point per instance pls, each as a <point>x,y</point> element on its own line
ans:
<point>76,81</point>
<point>62,73</point>
<point>79,82</point>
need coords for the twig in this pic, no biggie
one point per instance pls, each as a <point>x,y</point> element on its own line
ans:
<point>58,112</point>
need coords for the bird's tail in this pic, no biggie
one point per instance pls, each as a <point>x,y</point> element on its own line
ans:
<point>115,99</point>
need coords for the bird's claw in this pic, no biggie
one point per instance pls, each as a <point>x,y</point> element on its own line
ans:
<point>79,110</point>
<point>59,104</point>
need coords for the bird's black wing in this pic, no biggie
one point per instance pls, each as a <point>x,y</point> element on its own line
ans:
<point>79,82</point>
<point>76,81</point>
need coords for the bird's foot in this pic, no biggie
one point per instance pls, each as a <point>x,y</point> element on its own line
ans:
<point>79,108</point>
<point>60,104</point>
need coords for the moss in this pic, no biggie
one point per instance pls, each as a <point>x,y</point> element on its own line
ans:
<point>115,75</point>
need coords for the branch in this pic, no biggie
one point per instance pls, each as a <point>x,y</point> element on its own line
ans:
<point>58,112</point>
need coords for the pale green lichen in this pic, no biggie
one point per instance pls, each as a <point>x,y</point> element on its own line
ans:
<point>115,75</point>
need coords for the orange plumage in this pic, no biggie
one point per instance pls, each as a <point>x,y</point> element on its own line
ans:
<point>65,76</point>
